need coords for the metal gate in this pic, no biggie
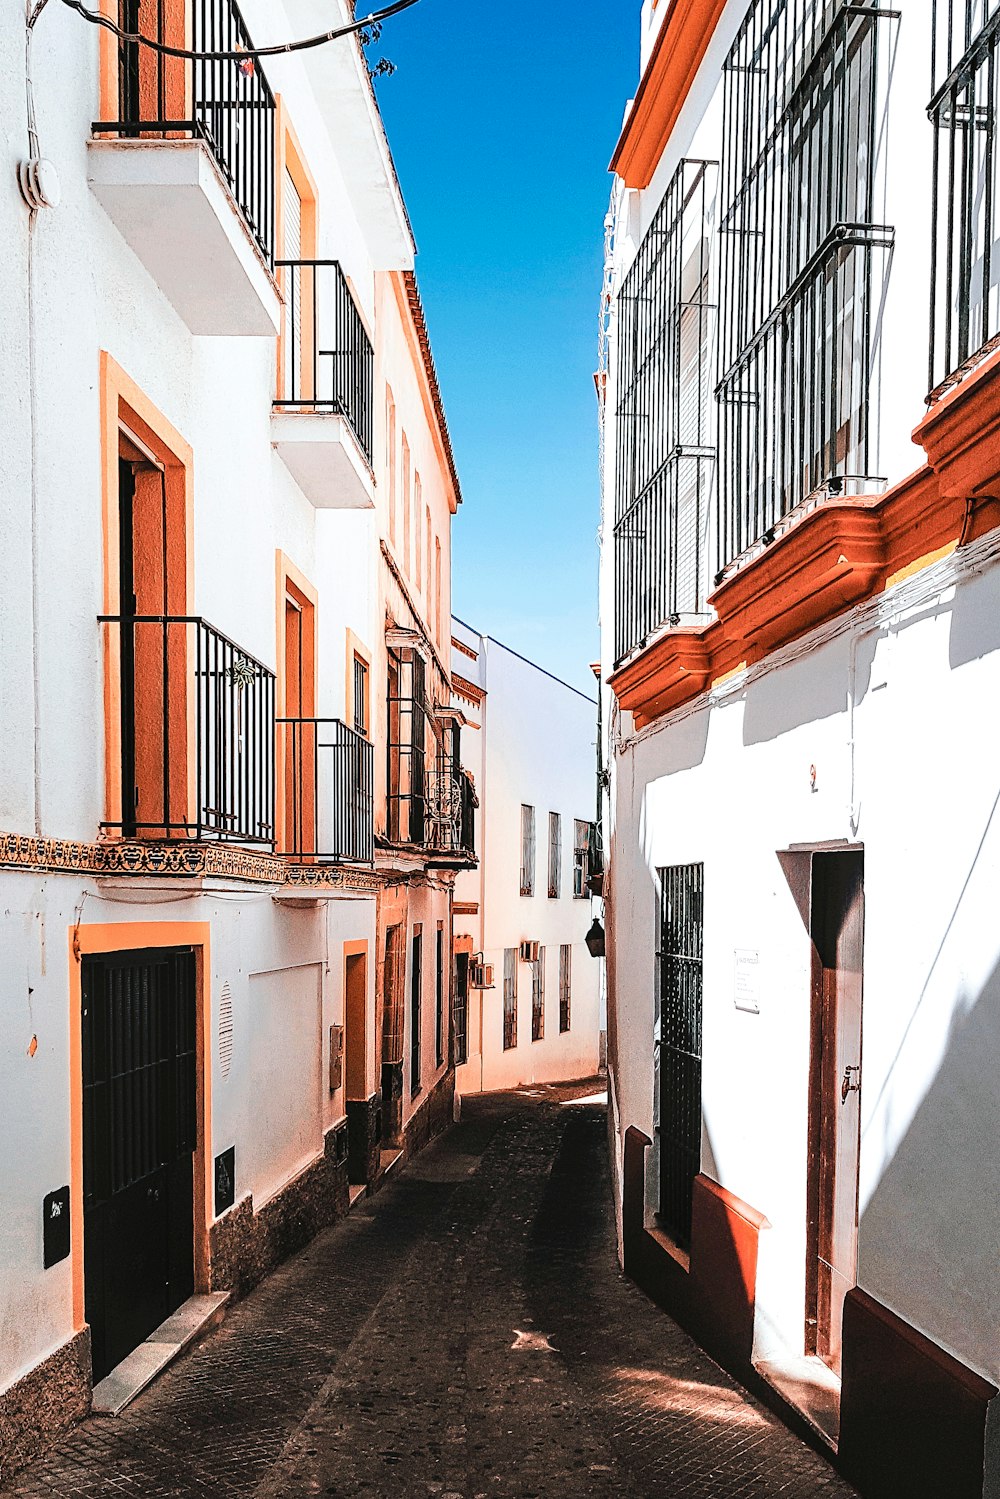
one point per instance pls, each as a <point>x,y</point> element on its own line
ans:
<point>139,1135</point>
<point>679,1038</point>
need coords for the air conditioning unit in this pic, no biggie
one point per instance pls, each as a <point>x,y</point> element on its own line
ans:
<point>481,976</point>
<point>529,952</point>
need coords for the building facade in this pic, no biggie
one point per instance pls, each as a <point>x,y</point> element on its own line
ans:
<point>528,994</point>
<point>229,759</point>
<point>800,399</point>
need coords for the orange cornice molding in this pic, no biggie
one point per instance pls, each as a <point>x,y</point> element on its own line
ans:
<point>412,310</point>
<point>674,61</point>
<point>838,555</point>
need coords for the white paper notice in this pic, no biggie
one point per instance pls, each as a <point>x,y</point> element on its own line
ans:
<point>746,987</point>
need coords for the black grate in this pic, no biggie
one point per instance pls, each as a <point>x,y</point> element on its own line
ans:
<point>330,364</point>
<point>679,1054</point>
<point>666,453</point>
<point>461,1009</point>
<point>439,1016</point>
<point>527,850</point>
<point>509,998</point>
<point>802,262</point>
<point>965,261</point>
<point>228,105</point>
<point>538,997</point>
<point>406,748</point>
<point>565,979</point>
<point>416,1017</point>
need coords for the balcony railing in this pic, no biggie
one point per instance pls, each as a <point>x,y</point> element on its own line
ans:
<point>451,803</point>
<point>228,105</point>
<point>329,791</point>
<point>328,363</point>
<point>196,732</point>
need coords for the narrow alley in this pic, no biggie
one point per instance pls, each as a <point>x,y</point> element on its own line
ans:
<point>465,1332</point>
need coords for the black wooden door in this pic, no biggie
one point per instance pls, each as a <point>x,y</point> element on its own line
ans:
<point>139,1136</point>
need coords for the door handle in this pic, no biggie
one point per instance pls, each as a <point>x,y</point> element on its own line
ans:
<point>847,1086</point>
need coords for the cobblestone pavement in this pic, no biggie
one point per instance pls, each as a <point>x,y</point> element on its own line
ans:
<point>464,1334</point>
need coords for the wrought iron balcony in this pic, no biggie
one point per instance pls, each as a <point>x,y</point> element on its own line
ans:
<point>228,105</point>
<point>184,144</point>
<point>195,732</point>
<point>327,363</point>
<point>329,798</point>
<point>451,802</point>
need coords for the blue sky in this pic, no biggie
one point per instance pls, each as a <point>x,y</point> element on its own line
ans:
<point>502,122</point>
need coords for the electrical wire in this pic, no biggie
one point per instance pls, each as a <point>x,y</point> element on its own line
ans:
<point>240,54</point>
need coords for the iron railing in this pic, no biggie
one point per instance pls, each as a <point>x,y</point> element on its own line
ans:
<point>679,1042</point>
<point>538,997</point>
<point>197,732</point>
<point>565,972</point>
<point>965,263</point>
<point>406,749</point>
<point>509,998</point>
<point>803,260</point>
<point>329,774</point>
<point>228,105</point>
<point>328,362</point>
<point>665,432</point>
<point>451,802</point>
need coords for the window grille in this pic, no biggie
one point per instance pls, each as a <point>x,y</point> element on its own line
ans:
<point>583,842</point>
<point>509,998</point>
<point>527,850</point>
<point>666,452</point>
<point>565,972</point>
<point>461,1009</point>
<point>803,259</point>
<point>360,696</point>
<point>679,1050</point>
<point>965,256</point>
<point>538,997</point>
<point>439,998</point>
<point>406,748</point>
<point>555,854</point>
<point>415,1013</point>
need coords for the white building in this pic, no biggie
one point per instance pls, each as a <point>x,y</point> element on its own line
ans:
<point>800,588</point>
<point>225,728</point>
<point>527,991</point>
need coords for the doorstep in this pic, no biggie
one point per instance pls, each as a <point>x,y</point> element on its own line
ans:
<point>810,1387</point>
<point>387,1159</point>
<point>354,1193</point>
<point>191,1321</point>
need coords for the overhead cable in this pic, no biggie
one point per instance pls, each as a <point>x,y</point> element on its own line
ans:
<point>238,55</point>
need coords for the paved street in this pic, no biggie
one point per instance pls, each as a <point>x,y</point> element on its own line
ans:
<point>464,1334</point>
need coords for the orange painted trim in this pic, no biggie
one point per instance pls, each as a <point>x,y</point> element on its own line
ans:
<point>357,948</point>
<point>290,582</point>
<point>465,649</point>
<point>411,314</point>
<point>126,936</point>
<point>355,648</point>
<point>468,689</point>
<point>290,155</point>
<point>122,400</point>
<point>673,64</point>
<point>838,555</point>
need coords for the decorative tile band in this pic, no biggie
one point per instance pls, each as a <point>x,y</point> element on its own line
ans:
<point>184,860</point>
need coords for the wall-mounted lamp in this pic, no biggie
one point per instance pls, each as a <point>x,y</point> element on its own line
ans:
<point>595,939</point>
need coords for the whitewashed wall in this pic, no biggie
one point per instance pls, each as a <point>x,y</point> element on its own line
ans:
<point>539,748</point>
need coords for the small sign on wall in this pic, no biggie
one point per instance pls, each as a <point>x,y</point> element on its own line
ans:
<point>746,980</point>
<point>55,1227</point>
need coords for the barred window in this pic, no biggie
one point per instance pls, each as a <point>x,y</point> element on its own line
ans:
<point>416,981</point>
<point>803,259</point>
<point>509,998</point>
<point>439,1016</point>
<point>666,453</point>
<point>679,1043</point>
<point>965,257</point>
<point>583,841</point>
<point>565,961</point>
<point>360,695</point>
<point>527,850</point>
<point>461,1009</point>
<point>538,997</point>
<point>555,854</point>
